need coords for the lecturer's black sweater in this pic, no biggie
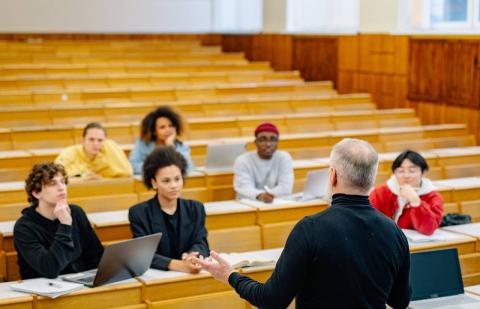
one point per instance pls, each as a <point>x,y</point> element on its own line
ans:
<point>348,256</point>
<point>47,248</point>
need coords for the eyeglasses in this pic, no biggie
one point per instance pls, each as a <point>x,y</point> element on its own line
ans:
<point>265,140</point>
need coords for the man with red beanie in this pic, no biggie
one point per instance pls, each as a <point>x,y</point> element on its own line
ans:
<point>266,173</point>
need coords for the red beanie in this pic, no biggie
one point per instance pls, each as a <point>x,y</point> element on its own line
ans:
<point>266,127</point>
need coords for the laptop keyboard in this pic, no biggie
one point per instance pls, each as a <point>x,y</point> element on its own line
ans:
<point>442,302</point>
<point>86,280</point>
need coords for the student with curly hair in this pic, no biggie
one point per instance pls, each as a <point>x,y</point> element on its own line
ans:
<point>53,237</point>
<point>159,128</point>
<point>181,221</point>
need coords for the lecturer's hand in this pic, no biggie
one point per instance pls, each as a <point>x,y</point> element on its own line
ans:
<point>217,266</point>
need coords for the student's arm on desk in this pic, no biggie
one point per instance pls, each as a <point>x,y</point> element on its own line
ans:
<point>289,274</point>
<point>138,230</point>
<point>47,262</point>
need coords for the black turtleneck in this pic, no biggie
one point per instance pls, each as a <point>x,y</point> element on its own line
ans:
<point>47,248</point>
<point>348,256</point>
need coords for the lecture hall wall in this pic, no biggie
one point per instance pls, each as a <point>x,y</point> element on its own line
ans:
<point>439,76</point>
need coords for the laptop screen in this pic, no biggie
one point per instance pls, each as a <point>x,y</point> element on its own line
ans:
<point>435,274</point>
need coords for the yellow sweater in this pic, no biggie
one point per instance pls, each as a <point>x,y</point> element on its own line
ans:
<point>110,162</point>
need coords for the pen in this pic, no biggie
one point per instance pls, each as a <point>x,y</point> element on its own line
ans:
<point>56,285</point>
<point>267,189</point>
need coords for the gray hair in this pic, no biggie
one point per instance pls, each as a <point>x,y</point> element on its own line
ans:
<point>356,163</point>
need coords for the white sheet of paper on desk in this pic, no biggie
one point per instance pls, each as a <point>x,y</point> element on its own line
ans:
<point>46,287</point>
<point>439,235</point>
<point>255,203</point>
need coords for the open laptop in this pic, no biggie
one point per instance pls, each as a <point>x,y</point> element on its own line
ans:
<point>315,187</point>
<point>221,157</point>
<point>120,261</point>
<point>436,281</point>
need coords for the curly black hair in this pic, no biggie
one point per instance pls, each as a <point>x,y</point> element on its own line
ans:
<point>41,174</point>
<point>147,127</point>
<point>162,157</point>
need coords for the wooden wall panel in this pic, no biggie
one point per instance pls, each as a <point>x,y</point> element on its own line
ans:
<point>377,64</point>
<point>445,70</point>
<point>316,57</point>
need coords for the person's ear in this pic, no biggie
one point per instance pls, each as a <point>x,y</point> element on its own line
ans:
<point>37,194</point>
<point>333,176</point>
<point>154,185</point>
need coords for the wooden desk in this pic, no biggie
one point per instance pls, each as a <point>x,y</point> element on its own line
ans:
<point>232,227</point>
<point>471,230</point>
<point>116,295</point>
<point>464,244</point>
<point>11,266</point>
<point>464,189</point>
<point>168,288</point>
<point>10,299</point>
<point>111,225</point>
<point>277,221</point>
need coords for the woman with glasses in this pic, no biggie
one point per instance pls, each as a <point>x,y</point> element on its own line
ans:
<point>408,197</point>
<point>266,173</point>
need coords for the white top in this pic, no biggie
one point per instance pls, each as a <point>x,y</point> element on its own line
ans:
<point>252,174</point>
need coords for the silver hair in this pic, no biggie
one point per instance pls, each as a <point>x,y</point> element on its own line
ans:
<point>356,162</point>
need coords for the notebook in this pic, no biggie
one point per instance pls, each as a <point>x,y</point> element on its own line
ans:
<point>414,236</point>
<point>436,281</point>
<point>120,261</point>
<point>46,287</point>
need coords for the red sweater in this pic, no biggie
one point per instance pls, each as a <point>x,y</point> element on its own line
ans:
<point>425,218</point>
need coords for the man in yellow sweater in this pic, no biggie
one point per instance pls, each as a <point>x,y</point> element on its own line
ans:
<point>96,157</point>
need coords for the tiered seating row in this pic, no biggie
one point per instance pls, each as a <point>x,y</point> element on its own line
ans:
<point>162,94</point>
<point>144,80</point>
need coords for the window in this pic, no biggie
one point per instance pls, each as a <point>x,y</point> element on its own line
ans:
<point>322,15</point>
<point>440,15</point>
<point>237,16</point>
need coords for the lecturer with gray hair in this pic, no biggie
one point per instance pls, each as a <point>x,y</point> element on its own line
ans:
<point>348,256</point>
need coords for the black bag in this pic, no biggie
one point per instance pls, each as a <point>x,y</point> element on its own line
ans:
<point>455,219</point>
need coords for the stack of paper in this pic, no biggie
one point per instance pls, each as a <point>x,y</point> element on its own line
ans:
<point>439,235</point>
<point>46,287</point>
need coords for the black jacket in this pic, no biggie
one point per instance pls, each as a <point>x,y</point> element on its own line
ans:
<point>147,218</point>
<point>48,248</point>
<point>348,256</point>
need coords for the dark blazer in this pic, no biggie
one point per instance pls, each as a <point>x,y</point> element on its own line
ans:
<point>147,218</point>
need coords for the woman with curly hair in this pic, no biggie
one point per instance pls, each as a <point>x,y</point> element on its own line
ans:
<point>181,221</point>
<point>159,128</point>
